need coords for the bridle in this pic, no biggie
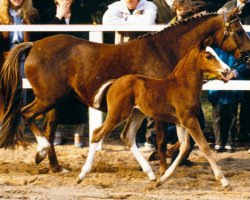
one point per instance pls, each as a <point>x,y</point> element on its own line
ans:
<point>229,32</point>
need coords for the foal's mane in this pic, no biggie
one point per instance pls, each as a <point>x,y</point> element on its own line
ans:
<point>180,23</point>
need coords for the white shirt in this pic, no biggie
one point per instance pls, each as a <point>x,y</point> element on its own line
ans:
<point>170,3</point>
<point>118,13</point>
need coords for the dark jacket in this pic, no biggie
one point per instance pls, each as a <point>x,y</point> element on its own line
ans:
<point>78,16</point>
<point>164,12</point>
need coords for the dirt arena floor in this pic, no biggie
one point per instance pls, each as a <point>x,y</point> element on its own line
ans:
<point>116,175</point>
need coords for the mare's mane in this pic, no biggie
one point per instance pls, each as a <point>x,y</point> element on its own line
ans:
<point>180,23</point>
<point>183,61</point>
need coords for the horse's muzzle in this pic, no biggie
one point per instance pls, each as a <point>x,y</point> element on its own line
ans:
<point>246,59</point>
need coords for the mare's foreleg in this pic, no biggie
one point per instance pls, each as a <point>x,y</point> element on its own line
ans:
<point>195,131</point>
<point>161,132</point>
<point>183,138</point>
<point>128,136</point>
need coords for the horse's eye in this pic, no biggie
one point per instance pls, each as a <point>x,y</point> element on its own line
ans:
<point>208,55</point>
<point>240,32</point>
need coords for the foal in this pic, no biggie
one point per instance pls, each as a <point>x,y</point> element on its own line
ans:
<point>175,99</point>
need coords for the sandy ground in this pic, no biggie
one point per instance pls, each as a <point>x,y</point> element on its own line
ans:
<point>116,175</point>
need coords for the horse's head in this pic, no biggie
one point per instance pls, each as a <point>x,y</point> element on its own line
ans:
<point>231,36</point>
<point>209,64</point>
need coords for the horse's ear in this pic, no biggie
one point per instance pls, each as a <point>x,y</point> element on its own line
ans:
<point>203,43</point>
<point>235,12</point>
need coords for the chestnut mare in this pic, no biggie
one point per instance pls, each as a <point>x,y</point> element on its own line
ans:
<point>175,99</point>
<point>61,65</point>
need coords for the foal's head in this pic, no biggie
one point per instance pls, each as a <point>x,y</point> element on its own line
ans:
<point>208,63</point>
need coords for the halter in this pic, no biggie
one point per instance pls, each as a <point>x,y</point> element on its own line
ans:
<point>229,32</point>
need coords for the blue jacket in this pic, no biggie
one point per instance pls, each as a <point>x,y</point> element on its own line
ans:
<point>227,96</point>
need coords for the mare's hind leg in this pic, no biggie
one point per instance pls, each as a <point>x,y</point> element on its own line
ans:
<point>183,137</point>
<point>49,132</point>
<point>30,112</point>
<point>128,136</point>
<point>195,131</point>
<point>99,133</point>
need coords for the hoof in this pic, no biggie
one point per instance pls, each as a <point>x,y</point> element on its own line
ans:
<point>78,180</point>
<point>64,170</point>
<point>158,183</point>
<point>225,183</point>
<point>39,158</point>
<point>152,176</point>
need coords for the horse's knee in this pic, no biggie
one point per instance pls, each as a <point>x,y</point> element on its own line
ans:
<point>185,148</point>
<point>205,149</point>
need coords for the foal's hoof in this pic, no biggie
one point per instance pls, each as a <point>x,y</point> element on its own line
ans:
<point>79,180</point>
<point>224,182</point>
<point>39,158</point>
<point>158,183</point>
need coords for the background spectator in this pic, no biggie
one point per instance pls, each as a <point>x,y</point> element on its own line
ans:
<point>16,12</point>
<point>164,11</point>
<point>244,131</point>
<point>72,114</point>
<point>132,12</point>
<point>225,103</point>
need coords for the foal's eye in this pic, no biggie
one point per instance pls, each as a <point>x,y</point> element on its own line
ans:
<point>208,55</point>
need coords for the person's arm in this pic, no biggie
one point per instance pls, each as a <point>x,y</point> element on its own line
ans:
<point>146,17</point>
<point>114,16</point>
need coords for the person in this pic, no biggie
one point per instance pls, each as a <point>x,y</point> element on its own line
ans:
<point>17,12</point>
<point>230,5</point>
<point>71,112</point>
<point>244,131</point>
<point>164,11</point>
<point>225,103</point>
<point>129,12</point>
<point>132,12</point>
<point>186,8</point>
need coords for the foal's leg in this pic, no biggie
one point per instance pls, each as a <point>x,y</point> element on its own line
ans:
<point>183,138</point>
<point>195,131</point>
<point>30,112</point>
<point>99,133</point>
<point>128,136</point>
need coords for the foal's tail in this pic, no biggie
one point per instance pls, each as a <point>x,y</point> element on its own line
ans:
<point>11,93</point>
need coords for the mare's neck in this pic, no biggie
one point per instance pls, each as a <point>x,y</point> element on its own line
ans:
<point>175,42</point>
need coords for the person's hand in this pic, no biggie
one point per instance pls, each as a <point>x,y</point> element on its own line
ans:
<point>63,9</point>
<point>138,12</point>
<point>230,76</point>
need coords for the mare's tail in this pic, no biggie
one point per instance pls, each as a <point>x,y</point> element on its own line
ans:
<point>11,93</point>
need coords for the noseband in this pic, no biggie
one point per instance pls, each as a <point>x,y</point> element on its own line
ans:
<point>229,32</point>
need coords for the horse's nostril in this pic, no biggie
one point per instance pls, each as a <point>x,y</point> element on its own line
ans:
<point>246,59</point>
